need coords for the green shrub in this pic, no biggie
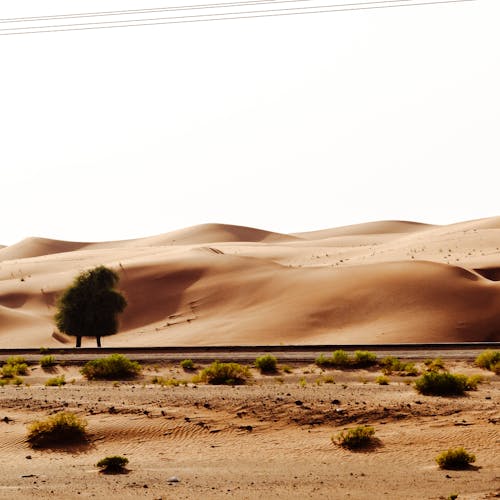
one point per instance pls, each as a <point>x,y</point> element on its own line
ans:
<point>15,365</point>
<point>435,365</point>
<point>165,382</point>
<point>489,360</point>
<point>382,380</point>
<point>364,358</point>
<point>457,458</point>
<point>113,465</point>
<point>266,364</point>
<point>473,381</point>
<point>225,374</point>
<point>187,364</point>
<point>287,369</point>
<point>61,428</point>
<point>47,361</point>
<point>17,381</point>
<point>356,438</point>
<point>114,367</point>
<point>56,381</point>
<point>338,358</point>
<point>391,365</point>
<point>441,384</point>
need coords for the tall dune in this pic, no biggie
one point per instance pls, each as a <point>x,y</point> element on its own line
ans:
<point>219,284</point>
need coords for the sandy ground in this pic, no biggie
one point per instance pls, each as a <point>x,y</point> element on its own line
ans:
<point>270,439</point>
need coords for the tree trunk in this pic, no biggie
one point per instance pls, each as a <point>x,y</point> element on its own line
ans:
<point>78,341</point>
<point>98,339</point>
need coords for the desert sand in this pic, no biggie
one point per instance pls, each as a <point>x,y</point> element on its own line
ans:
<point>379,282</point>
<point>270,439</point>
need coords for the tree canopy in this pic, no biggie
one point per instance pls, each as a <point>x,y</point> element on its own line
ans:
<point>89,307</point>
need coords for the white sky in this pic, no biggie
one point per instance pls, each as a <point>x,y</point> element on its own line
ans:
<point>289,124</point>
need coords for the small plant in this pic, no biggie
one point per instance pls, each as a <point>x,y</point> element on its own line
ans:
<point>168,382</point>
<point>338,358</point>
<point>43,350</point>
<point>364,358</point>
<point>457,458</point>
<point>303,382</point>
<point>356,438</point>
<point>266,364</point>
<point>441,384</point>
<point>47,361</point>
<point>113,465</point>
<point>473,381</point>
<point>287,369</point>
<point>114,367</point>
<point>382,380</point>
<point>329,380</point>
<point>17,381</point>
<point>187,365</point>
<point>391,365</point>
<point>61,428</point>
<point>435,365</point>
<point>56,381</point>
<point>489,360</point>
<point>15,365</point>
<point>225,374</point>
<point>4,382</point>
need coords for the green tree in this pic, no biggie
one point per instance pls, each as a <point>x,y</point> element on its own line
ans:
<point>90,305</point>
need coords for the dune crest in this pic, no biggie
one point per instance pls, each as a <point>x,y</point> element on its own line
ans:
<point>220,284</point>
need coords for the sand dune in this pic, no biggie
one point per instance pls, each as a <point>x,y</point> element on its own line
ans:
<point>387,281</point>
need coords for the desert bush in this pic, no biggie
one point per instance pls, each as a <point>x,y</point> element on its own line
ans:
<point>17,381</point>
<point>225,374</point>
<point>266,364</point>
<point>435,365</point>
<point>489,360</point>
<point>61,428</point>
<point>441,384</point>
<point>358,437</point>
<point>382,380</point>
<point>473,381</point>
<point>56,381</point>
<point>168,382</point>
<point>114,367</point>
<point>338,358</point>
<point>15,365</point>
<point>364,358</point>
<point>391,365</point>
<point>287,369</point>
<point>47,361</point>
<point>113,465</point>
<point>457,458</point>
<point>187,364</point>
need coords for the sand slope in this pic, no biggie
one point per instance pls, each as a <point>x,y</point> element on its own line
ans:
<point>389,281</point>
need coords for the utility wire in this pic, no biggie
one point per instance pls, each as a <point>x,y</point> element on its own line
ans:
<point>248,3</point>
<point>236,15</point>
<point>219,14</point>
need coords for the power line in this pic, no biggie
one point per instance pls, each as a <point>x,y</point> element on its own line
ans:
<point>173,9</point>
<point>117,22</point>
<point>237,15</point>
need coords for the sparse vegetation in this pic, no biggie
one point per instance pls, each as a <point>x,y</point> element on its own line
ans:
<point>392,365</point>
<point>266,364</point>
<point>56,381</point>
<point>113,465</point>
<point>61,428</point>
<point>356,438</point>
<point>364,358</point>
<point>489,360</point>
<point>455,458</point>
<point>435,365</point>
<point>341,359</point>
<point>473,381</point>
<point>224,374</point>
<point>287,369</point>
<point>47,361</point>
<point>382,380</point>
<point>187,365</point>
<point>442,384</point>
<point>14,366</point>
<point>113,367</point>
<point>168,382</point>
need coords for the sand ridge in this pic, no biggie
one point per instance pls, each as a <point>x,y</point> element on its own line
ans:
<point>387,281</point>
